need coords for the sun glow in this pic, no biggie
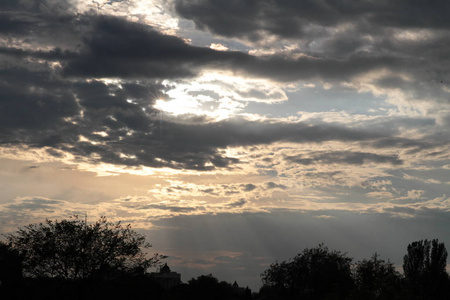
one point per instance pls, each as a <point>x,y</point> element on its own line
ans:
<point>218,95</point>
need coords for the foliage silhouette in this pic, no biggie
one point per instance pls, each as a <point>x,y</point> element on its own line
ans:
<point>316,273</point>
<point>73,249</point>
<point>10,264</point>
<point>376,279</point>
<point>208,287</point>
<point>424,268</point>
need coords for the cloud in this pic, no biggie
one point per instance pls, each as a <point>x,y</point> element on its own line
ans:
<point>135,50</point>
<point>344,157</point>
<point>248,187</point>
<point>342,42</point>
<point>35,6</point>
<point>415,194</point>
<point>34,204</point>
<point>62,112</point>
<point>272,185</point>
<point>178,209</point>
<point>58,97</point>
<point>138,51</point>
<point>238,203</point>
<point>255,19</point>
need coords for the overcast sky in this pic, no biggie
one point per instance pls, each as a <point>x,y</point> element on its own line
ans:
<point>232,133</point>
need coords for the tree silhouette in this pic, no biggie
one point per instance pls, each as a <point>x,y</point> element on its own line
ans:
<point>376,279</point>
<point>73,249</point>
<point>424,267</point>
<point>316,273</point>
<point>10,264</point>
<point>208,287</point>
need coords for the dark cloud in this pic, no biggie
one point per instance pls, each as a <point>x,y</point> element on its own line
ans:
<point>50,98</point>
<point>179,209</point>
<point>33,103</point>
<point>344,157</point>
<point>248,187</point>
<point>210,191</point>
<point>37,6</point>
<point>33,204</point>
<point>238,203</point>
<point>112,47</point>
<point>40,108</point>
<point>338,40</point>
<point>323,175</point>
<point>273,185</point>
<point>118,48</point>
<point>295,19</point>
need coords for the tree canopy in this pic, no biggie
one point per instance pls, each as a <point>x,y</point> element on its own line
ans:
<point>424,266</point>
<point>10,263</point>
<point>376,279</point>
<point>313,274</point>
<point>73,249</point>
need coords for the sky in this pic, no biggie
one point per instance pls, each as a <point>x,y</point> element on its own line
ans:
<point>233,134</point>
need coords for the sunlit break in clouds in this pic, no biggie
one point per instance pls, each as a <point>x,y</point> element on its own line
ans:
<point>232,134</point>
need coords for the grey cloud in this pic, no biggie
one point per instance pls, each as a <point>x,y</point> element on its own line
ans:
<point>193,146</point>
<point>273,185</point>
<point>112,47</point>
<point>33,204</point>
<point>34,6</point>
<point>342,39</point>
<point>228,193</point>
<point>53,106</point>
<point>41,109</point>
<point>117,48</point>
<point>414,145</point>
<point>293,19</point>
<point>25,112</point>
<point>210,191</point>
<point>134,137</point>
<point>322,175</point>
<point>344,157</point>
<point>179,209</point>
<point>248,187</point>
<point>400,210</point>
<point>237,203</point>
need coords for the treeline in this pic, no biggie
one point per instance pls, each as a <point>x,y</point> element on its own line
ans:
<point>71,259</point>
<point>124,287</point>
<point>320,273</point>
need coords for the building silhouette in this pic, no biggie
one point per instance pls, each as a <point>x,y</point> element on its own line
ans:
<point>166,278</point>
